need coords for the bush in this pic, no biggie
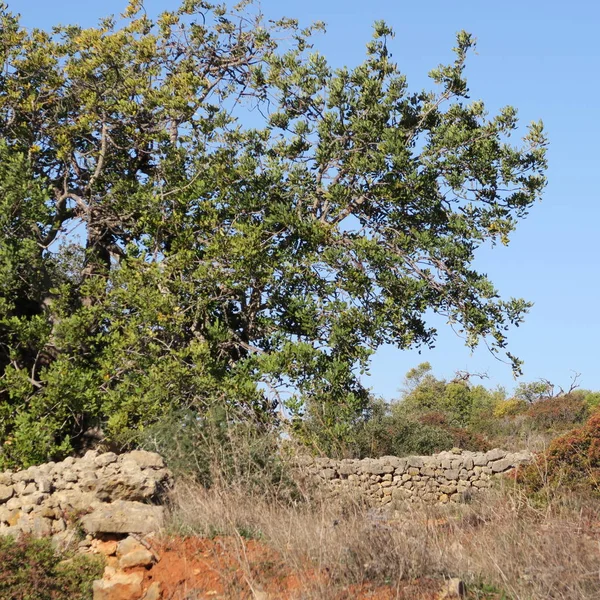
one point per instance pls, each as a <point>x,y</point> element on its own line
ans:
<point>572,459</point>
<point>561,412</point>
<point>220,449</point>
<point>31,569</point>
<point>510,408</point>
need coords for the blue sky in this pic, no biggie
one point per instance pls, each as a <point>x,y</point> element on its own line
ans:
<point>541,57</point>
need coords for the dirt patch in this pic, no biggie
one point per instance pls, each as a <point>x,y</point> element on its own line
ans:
<point>236,568</point>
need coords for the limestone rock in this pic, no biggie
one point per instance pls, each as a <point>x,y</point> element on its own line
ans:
<point>453,588</point>
<point>154,592</point>
<point>124,517</point>
<point>120,586</point>
<point>127,545</point>
<point>106,459</point>
<point>145,459</point>
<point>137,558</point>
<point>500,466</point>
<point>6,493</point>
<point>495,454</point>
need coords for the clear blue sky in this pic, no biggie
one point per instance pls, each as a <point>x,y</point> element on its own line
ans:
<point>544,59</point>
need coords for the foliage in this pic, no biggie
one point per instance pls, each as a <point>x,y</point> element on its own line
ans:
<point>385,431</point>
<point>30,569</point>
<point>533,390</point>
<point>591,399</point>
<point>572,460</point>
<point>561,411</point>
<point>510,408</point>
<point>459,401</point>
<point>220,450</point>
<point>161,250</point>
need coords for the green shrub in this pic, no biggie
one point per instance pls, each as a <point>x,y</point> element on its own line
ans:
<point>31,569</point>
<point>220,449</point>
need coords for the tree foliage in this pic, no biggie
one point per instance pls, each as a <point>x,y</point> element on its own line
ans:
<point>193,214</point>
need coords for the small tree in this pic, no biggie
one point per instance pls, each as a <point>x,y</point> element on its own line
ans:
<point>215,262</point>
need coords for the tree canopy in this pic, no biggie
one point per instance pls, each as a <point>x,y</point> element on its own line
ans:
<point>198,211</point>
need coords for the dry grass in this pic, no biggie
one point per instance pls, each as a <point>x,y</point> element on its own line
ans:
<point>502,539</point>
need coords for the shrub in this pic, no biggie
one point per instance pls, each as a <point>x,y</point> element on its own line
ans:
<point>560,412</point>
<point>572,459</point>
<point>31,569</point>
<point>510,408</point>
<point>221,450</point>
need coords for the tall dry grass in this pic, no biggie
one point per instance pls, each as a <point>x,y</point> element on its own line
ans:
<point>525,551</point>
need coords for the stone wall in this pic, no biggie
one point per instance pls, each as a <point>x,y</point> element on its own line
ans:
<point>99,493</point>
<point>110,494</point>
<point>445,477</point>
<point>116,501</point>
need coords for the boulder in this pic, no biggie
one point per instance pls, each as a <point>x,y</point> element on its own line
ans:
<point>500,466</point>
<point>137,558</point>
<point>145,460</point>
<point>119,586</point>
<point>495,454</point>
<point>124,516</point>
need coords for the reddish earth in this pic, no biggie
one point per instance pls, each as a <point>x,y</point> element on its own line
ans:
<point>229,568</point>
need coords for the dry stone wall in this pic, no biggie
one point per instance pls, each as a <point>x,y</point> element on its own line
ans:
<point>445,477</point>
<point>100,493</point>
<point>117,501</point>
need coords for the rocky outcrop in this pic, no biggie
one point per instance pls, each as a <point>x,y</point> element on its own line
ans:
<point>445,477</point>
<point>103,493</point>
<point>123,577</point>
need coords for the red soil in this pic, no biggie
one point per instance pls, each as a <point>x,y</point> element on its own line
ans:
<point>230,568</point>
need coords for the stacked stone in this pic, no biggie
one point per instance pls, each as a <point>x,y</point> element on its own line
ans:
<point>102,492</point>
<point>441,478</point>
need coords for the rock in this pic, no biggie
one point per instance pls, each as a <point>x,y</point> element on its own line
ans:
<point>480,460</point>
<point>495,454</point>
<point>22,477</point>
<point>41,527</point>
<point>14,503</point>
<point>127,545</point>
<point>327,474</point>
<point>347,469</point>
<point>58,526</point>
<point>30,488</point>
<point>137,558</point>
<point>106,548</point>
<point>6,493</point>
<point>145,459</point>
<point>120,586</point>
<point>44,485</point>
<point>74,500</point>
<point>500,466</point>
<point>71,476</point>
<point>106,459</point>
<point>130,483</point>
<point>124,517</point>
<point>453,588</point>
<point>394,461</point>
<point>376,467</point>
<point>154,592</point>
<point>7,515</point>
<point>415,461</point>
